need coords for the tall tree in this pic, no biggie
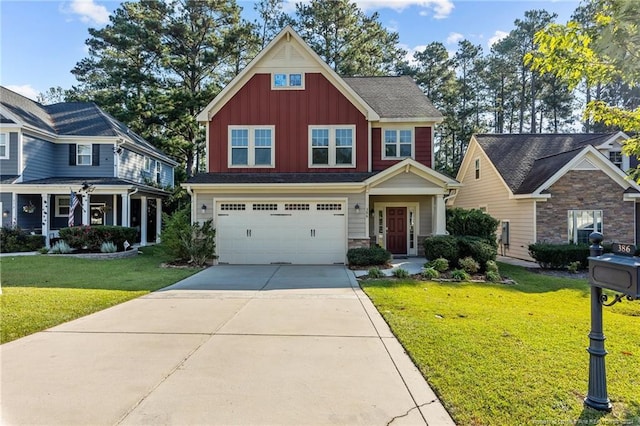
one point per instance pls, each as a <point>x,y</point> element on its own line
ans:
<point>272,19</point>
<point>349,41</point>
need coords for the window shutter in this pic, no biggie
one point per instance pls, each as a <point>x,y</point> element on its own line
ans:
<point>72,154</point>
<point>95,154</point>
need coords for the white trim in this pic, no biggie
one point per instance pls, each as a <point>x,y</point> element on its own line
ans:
<point>433,120</point>
<point>466,163</point>
<point>57,205</point>
<point>382,206</point>
<point>251,147</point>
<point>5,140</point>
<point>332,148</point>
<point>78,145</point>
<point>397,130</point>
<point>477,168</point>
<point>288,75</point>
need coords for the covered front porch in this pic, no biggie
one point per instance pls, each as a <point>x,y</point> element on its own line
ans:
<point>45,209</point>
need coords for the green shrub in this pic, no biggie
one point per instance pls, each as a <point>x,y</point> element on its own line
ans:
<point>559,256</point>
<point>491,266</point>
<point>445,246</point>
<point>192,243</point>
<point>431,273</point>
<point>460,275</point>
<point>477,248</point>
<point>14,239</point>
<point>469,265</point>
<point>92,237</point>
<point>108,247</point>
<point>60,247</point>
<point>366,256</point>
<point>474,222</point>
<point>375,273</point>
<point>400,273</point>
<point>574,266</point>
<point>493,276</point>
<point>440,264</point>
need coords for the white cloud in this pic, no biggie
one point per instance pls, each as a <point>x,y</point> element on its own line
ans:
<point>441,8</point>
<point>25,90</point>
<point>410,51</point>
<point>453,38</point>
<point>89,12</point>
<point>497,36</point>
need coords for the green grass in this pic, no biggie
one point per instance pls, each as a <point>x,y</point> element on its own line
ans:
<point>514,354</point>
<point>39,292</point>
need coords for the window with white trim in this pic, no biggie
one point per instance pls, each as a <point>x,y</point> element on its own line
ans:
<point>4,146</point>
<point>62,205</point>
<point>251,146</point>
<point>158,172</point>
<point>397,143</point>
<point>581,223</point>
<point>616,158</point>
<point>477,166</point>
<point>332,146</point>
<point>287,80</point>
<point>84,153</point>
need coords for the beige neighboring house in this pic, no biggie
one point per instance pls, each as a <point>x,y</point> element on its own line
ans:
<point>556,188</point>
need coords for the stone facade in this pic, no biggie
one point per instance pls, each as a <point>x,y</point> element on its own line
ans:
<point>359,243</point>
<point>585,190</point>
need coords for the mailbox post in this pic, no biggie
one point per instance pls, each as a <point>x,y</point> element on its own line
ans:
<point>619,272</point>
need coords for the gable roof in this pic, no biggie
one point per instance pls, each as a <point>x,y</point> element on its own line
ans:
<point>525,161</point>
<point>71,119</point>
<point>395,98</point>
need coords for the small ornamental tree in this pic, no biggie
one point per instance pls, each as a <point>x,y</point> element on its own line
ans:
<point>474,223</point>
<point>193,243</point>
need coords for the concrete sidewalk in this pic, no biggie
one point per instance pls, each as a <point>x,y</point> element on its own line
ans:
<point>259,345</point>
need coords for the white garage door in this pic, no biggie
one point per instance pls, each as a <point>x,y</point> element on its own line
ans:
<point>263,232</point>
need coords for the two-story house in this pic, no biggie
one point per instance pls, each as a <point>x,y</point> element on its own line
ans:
<point>303,164</point>
<point>555,188</point>
<point>50,154</point>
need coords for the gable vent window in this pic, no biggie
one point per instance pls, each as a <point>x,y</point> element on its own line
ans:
<point>296,206</point>
<point>287,81</point>
<point>232,206</point>
<point>265,206</point>
<point>477,165</point>
<point>616,158</point>
<point>329,206</point>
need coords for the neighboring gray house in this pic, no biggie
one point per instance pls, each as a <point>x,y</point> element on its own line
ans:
<point>48,152</point>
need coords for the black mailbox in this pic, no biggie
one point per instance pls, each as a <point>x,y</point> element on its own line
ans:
<point>616,272</point>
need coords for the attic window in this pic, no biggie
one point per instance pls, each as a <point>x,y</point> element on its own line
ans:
<point>287,81</point>
<point>616,158</point>
<point>477,163</point>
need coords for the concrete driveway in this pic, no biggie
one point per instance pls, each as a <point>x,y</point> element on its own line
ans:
<point>249,345</point>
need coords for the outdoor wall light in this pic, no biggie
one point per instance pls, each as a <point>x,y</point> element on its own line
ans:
<point>5,213</point>
<point>203,208</point>
<point>357,207</point>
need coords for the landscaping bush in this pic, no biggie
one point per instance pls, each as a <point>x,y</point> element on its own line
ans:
<point>108,247</point>
<point>445,246</point>
<point>559,256</point>
<point>493,276</point>
<point>191,243</point>
<point>491,266</point>
<point>469,265</point>
<point>92,237</point>
<point>366,256</point>
<point>460,275</point>
<point>14,239</point>
<point>474,222</point>
<point>431,273</point>
<point>60,247</point>
<point>440,264</point>
<point>477,248</point>
<point>400,273</point>
<point>375,273</point>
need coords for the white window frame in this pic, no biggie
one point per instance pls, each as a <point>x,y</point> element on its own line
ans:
<point>287,75</point>
<point>476,164</point>
<point>620,163</point>
<point>4,141</point>
<point>251,154</point>
<point>59,206</point>
<point>79,156</point>
<point>332,146</point>
<point>146,164</point>
<point>158,172</point>
<point>572,229</point>
<point>397,130</point>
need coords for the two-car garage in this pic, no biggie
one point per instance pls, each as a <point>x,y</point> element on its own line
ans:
<point>264,231</point>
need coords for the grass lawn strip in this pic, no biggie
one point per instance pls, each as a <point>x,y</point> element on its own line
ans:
<point>39,292</point>
<point>504,355</point>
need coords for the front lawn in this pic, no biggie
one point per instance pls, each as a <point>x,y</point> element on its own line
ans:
<point>514,354</point>
<point>39,292</point>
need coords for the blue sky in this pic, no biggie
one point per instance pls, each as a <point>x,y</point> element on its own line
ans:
<point>41,41</point>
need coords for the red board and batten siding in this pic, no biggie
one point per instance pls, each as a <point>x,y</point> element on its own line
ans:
<point>291,112</point>
<point>422,149</point>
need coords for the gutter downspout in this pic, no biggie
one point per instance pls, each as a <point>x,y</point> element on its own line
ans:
<point>128,212</point>
<point>193,204</point>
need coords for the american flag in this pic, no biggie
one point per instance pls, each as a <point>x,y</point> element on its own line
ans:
<point>73,203</point>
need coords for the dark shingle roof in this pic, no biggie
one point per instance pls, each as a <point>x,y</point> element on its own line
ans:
<point>266,178</point>
<point>27,110</point>
<point>393,97</point>
<point>8,179</point>
<point>525,161</point>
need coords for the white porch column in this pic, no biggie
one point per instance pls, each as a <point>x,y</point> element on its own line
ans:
<point>158,219</point>
<point>45,219</point>
<point>14,209</point>
<point>440,216</point>
<point>126,202</point>
<point>143,221</point>
<point>86,213</point>
<point>114,210</point>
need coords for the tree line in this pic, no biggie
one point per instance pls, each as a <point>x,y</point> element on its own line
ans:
<point>158,63</point>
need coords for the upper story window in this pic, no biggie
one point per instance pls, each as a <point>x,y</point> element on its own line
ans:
<point>251,146</point>
<point>332,146</point>
<point>477,166</point>
<point>287,81</point>
<point>158,174</point>
<point>398,143</point>
<point>147,164</point>
<point>84,154</point>
<point>4,146</point>
<point>616,158</point>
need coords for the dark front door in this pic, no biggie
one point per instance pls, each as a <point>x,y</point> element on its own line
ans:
<point>397,230</point>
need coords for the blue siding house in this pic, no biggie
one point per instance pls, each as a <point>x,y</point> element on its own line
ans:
<point>49,152</point>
